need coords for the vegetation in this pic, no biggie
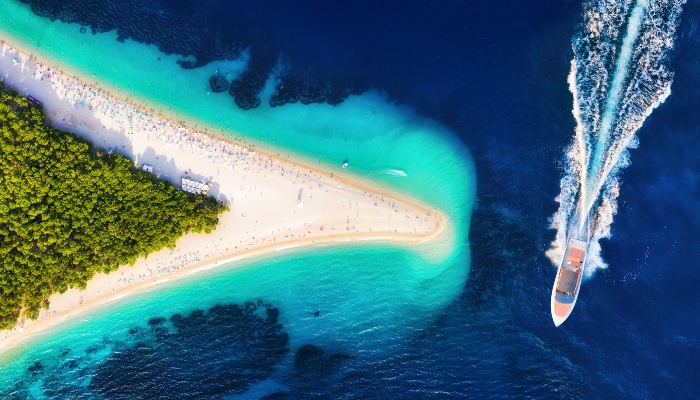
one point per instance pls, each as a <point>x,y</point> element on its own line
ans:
<point>68,211</point>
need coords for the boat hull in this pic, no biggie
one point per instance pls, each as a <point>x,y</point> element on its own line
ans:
<point>568,281</point>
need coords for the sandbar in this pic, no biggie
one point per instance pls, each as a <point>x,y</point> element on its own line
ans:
<point>276,203</point>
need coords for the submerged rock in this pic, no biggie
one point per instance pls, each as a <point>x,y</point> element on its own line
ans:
<point>186,29</point>
<point>218,83</point>
<point>312,360</point>
<point>36,368</point>
<point>309,90</point>
<point>247,87</point>
<point>225,349</point>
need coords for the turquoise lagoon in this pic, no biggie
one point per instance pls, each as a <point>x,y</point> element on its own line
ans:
<point>370,297</point>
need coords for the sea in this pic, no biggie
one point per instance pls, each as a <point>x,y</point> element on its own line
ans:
<point>510,117</point>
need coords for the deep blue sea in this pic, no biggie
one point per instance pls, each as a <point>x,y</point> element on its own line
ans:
<point>495,73</point>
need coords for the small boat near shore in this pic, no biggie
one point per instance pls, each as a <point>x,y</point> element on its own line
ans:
<point>345,164</point>
<point>568,281</point>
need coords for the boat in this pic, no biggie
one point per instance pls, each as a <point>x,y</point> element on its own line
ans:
<point>568,281</point>
<point>345,164</point>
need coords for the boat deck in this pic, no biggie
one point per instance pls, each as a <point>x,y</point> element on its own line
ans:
<point>567,282</point>
<point>569,273</point>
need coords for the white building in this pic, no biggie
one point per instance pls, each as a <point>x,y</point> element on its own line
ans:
<point>195,187</point>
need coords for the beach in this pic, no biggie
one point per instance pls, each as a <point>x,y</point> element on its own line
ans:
<point>276,203</point>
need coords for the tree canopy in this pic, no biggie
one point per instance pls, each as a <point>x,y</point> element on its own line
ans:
<point>68,211</point>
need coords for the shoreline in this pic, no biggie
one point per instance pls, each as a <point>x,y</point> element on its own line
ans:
<point>39,326</point>
<point>191,123</point>
<point>63,112</point>
<point>165,112</point>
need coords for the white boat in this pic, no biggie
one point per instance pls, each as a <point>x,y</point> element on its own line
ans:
<point>345,165</point>
<point>568,281</point>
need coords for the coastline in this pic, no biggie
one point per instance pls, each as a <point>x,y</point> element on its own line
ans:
<point>192,253</point>
<point>164,111</point>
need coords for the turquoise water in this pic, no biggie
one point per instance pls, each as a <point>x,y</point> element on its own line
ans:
<point>369,297</point>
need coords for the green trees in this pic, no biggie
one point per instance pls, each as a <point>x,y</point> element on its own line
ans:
<point>66,213</point>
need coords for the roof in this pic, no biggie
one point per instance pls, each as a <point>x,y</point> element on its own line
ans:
<point>573,257</point>
<point>191,186</point>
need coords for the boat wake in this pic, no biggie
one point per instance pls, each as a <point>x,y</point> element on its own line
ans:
<point>392,172</point>
<point>619,75</point>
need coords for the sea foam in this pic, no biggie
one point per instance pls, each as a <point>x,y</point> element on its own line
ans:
<point>631,40</point>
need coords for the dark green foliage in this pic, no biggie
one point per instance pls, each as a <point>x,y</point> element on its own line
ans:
<point>66,213</point>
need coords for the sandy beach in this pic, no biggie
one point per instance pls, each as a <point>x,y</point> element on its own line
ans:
<point>276,203</point>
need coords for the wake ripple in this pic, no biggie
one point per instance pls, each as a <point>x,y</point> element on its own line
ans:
<point>618,76</point>
<point>393,172</point>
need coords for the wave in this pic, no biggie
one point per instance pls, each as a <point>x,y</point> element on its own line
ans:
<point>619,75</point>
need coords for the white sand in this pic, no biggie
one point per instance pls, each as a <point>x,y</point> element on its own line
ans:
<point>275,203</point>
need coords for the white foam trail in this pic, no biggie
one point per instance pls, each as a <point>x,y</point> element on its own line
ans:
<point>613,99</point>
<point>393,172</point>
<point>609,109</point>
